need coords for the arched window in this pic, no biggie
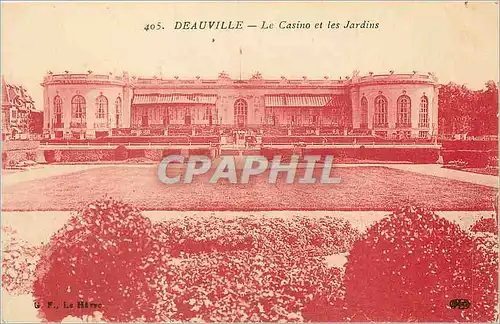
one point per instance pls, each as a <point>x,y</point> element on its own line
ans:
<point>101,104</point>
<point>118,111</point>
<point>380,116</point>
<point>240,112</point>
<point>404,111</point>
<point>78,107</point>
<point>423,117</point>
<point>364,113</point>
<point>58,109</point>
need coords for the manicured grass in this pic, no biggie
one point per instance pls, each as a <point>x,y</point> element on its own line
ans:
<point>362,188</point>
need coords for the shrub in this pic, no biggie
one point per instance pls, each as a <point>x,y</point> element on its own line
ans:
<point>53,156</point>
<point>409,266</point>
<point>241,286</point>
<point>136,153</point>
<point>200,151</point>
<point>31,155</point>
<point>246,269</point>
<point>121,153</point>
<point>154,155</point>
<point>299,235</point>
<point>49,156</point>
<point>18,263</point>
<point>57,155</point>
<point>87,155</point>
<point>99,256</point>
<point>485,225</point>
<point>14,145</point>
<point>5,161</point>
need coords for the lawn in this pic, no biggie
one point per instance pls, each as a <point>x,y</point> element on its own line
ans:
<point>362,188</point>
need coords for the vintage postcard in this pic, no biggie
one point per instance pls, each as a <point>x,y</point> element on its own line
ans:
<point>249,162</point>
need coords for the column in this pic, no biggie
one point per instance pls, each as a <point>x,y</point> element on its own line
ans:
<point>67,114</point>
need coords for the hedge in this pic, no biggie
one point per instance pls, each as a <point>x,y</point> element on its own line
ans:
<point>154,155</point>
<point>141,139</point>
<point>13,145</point>
<point>79,155</point>
<point>14,156</point>
<point>96,155</point>
<point>415,155</point>
<point>477,159</point>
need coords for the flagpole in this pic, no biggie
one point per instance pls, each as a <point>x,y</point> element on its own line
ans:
<point>241,52</point>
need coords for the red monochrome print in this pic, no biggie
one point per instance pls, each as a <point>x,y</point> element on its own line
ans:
<point>371,197</point>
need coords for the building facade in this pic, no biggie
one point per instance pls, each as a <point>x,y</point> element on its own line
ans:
<point>91,105</point>
<point>20,119</point>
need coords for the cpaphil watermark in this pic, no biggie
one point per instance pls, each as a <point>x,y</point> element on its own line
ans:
<point>252,166</point>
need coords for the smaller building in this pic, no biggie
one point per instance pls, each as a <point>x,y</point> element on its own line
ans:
<point>20,119</point>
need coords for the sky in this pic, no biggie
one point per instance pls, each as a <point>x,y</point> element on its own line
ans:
<point>456,41</point>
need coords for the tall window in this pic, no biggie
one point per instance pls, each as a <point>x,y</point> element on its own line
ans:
<point>101,104</point>
<point>58,109</point>
<point>423,117</point>
<point>364,113</point>
<point>207,113</point>
<point>240,112</point>
<point>404,110</point>
<point>380,116</point>
<point>118,111</point>
<point>78,107</point>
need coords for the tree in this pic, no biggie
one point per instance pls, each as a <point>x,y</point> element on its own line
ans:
<point>462,110</point>
<point>35,122</point>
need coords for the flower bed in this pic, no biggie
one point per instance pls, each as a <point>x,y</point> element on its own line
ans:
<point>67,156</point>
<point>210,269</point>
<point>407,267</point>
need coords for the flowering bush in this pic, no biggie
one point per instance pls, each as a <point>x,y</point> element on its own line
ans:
<point>312,236</point>
<point>18,263</point>
<point>210,269</point>
<point>246,269</point>
<point>97,257</point>
<point>241,286</point>
<point>409,266</point>
<point>485,225</point>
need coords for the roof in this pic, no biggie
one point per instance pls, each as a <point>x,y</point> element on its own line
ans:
<point>5,94</point>
<point>13,95</point>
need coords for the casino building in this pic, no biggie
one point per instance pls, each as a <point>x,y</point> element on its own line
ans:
<point>97,105</point>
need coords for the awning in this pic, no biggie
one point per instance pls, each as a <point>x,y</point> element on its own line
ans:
<point>305,101</point>
<point>158,98</point>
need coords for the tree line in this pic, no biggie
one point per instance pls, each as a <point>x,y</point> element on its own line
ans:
<point>466,111</point>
